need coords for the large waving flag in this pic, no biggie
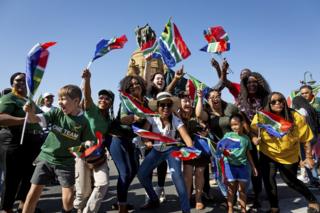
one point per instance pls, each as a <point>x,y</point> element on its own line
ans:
<point>186,153</point>
<point>134,107</point>
<point>150,49</point>
<point>218,40</point>
<point>274,125</point>
<point>152,135</point>
<point>36,63</point>
<point>104,46</point>
<point>171,45</point>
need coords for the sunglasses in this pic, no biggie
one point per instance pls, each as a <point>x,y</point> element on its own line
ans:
<point>274,102</point>
<point>134,84</point>
<point>163,105</point>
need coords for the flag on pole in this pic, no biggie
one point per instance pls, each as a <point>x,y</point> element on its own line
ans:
<point>150,49</point>
<point>36,63</point>
<point>134,107</point>
<point>194,85</point>
<point>152,135</point>
<point>274,125</point>
<point>171,45</point>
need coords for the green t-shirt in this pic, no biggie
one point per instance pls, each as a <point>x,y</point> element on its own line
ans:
<point>97,121</point>
<point>238,156</point>
<point>66,131</point>
<point>13,105</point>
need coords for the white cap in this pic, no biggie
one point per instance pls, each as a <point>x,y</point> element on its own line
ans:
<point>47,94</point>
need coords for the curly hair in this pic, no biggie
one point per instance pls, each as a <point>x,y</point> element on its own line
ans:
<point>262,92</point>
<point>286,112</point>
<point>126,82</point>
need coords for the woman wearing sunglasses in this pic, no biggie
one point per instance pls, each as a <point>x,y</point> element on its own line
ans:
<point>283,153</point>
<point>166,124</point>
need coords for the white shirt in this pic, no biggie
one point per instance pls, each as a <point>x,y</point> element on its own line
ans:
<point>47,109</point>
<point>157,127</point>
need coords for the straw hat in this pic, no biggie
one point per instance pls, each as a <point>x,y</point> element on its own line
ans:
<point>153,104</point>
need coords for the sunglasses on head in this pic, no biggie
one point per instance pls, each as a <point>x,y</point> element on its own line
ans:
<point>163,105</point>
<point>274,102</point>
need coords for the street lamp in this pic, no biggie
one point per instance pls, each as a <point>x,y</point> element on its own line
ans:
<point>310,82</point>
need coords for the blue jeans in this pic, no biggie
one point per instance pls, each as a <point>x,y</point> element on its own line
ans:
<point>151,161</point>
<point>126,160</point>
<point>312,173</point>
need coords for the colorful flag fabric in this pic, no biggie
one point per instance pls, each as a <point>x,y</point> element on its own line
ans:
<point>150,49</point>
<point>152,135</point>
<point>84,152</point>
<point>194,85</point>
<point>186,153</point>
<point>204,144</point>
<point>104,46</point>
<point>274,125</point>
<point>36,63</point>
<point>171,45</point>
<point>218,40</point>
<point>134,107</point>
<point>228,143</point>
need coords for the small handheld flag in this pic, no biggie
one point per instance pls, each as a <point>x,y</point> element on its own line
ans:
<point>104,46</point>
<point>152,135</point>
<point>218,40</point>
<point>186,153</point>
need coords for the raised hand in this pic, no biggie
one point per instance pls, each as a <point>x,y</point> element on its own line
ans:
<point>86,74</point>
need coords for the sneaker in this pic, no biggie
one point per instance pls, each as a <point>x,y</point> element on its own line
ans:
<point>150,205</point>
<point>304,179</point>
<point>161,194</point>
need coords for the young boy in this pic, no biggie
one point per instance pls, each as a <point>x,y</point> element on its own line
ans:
<point>237,156</point>
<point>69,128</point>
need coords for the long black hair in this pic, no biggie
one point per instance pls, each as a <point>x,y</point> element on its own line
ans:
<point>286,112</point>
<point>299,102</point>
<point>126,82</point>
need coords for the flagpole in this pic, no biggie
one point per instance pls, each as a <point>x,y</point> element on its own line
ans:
<point>220,56</point>
<point>23,128</point>
<point>89,65</point>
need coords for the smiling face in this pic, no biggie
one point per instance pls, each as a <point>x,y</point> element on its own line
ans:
<point>47,101</point>
<point>307,94</point>
<point>186,104</point>
<point>104,102</point>
<point>158,81</point>
<point>214,99</point>
<point>277,104</point>
<point>252,85</point>
<point>69,106</point>
<point>165,108</point>
<point>19,84</point>
<point>236,125</point>
<point>135,88</point>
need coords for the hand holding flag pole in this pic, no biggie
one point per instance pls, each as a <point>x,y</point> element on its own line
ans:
<point>36,63</point>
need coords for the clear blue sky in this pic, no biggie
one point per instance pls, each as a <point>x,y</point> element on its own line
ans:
<point>279,39</point>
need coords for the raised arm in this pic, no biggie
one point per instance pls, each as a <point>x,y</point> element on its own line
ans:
<point>185,136</point>
<point>86,89</point>
<point>200,113</point>
<point>177,76</point>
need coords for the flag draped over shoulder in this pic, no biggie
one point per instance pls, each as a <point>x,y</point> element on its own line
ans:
<point>36,63</point>
<point>134,107</point>
<point>104,46</point>
<point>218,40</point>
<point>274,125</point>
<point>152,135</point>
<point>171,45</point>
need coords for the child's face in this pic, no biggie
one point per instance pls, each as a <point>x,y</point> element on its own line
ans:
<point>69,106</point>
<point>236,125</point>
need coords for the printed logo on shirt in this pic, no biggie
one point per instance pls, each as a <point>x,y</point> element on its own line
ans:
<point>64,132</point>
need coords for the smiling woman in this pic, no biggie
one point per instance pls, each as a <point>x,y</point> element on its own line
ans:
<point>16,160</point>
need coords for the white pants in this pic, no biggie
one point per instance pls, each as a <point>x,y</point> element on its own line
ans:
<point>88,199</point>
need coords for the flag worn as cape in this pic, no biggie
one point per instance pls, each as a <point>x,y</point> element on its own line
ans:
<point>134,107</point>
<point>152,135</point>
<point>274,125</point>
<point>36,63</point>
<point>171,45</point>
<point>104,46</point>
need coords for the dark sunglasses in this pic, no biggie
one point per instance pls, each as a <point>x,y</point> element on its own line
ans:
<point>132,85</point>
<point>163,105</point>
<point>274,102</point>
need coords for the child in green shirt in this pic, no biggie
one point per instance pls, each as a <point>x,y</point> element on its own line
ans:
<point>69,128</point>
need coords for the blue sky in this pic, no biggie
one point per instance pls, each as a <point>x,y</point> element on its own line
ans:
<point>279,39</point>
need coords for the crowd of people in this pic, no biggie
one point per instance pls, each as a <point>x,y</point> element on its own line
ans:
<point>44,154</point>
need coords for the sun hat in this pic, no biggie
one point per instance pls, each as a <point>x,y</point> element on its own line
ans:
<point>162,96</point>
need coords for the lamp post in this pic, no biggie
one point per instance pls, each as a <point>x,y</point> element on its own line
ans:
<point>310,82</point>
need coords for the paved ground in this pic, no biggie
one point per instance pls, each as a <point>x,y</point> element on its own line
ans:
<point>289,200</point>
